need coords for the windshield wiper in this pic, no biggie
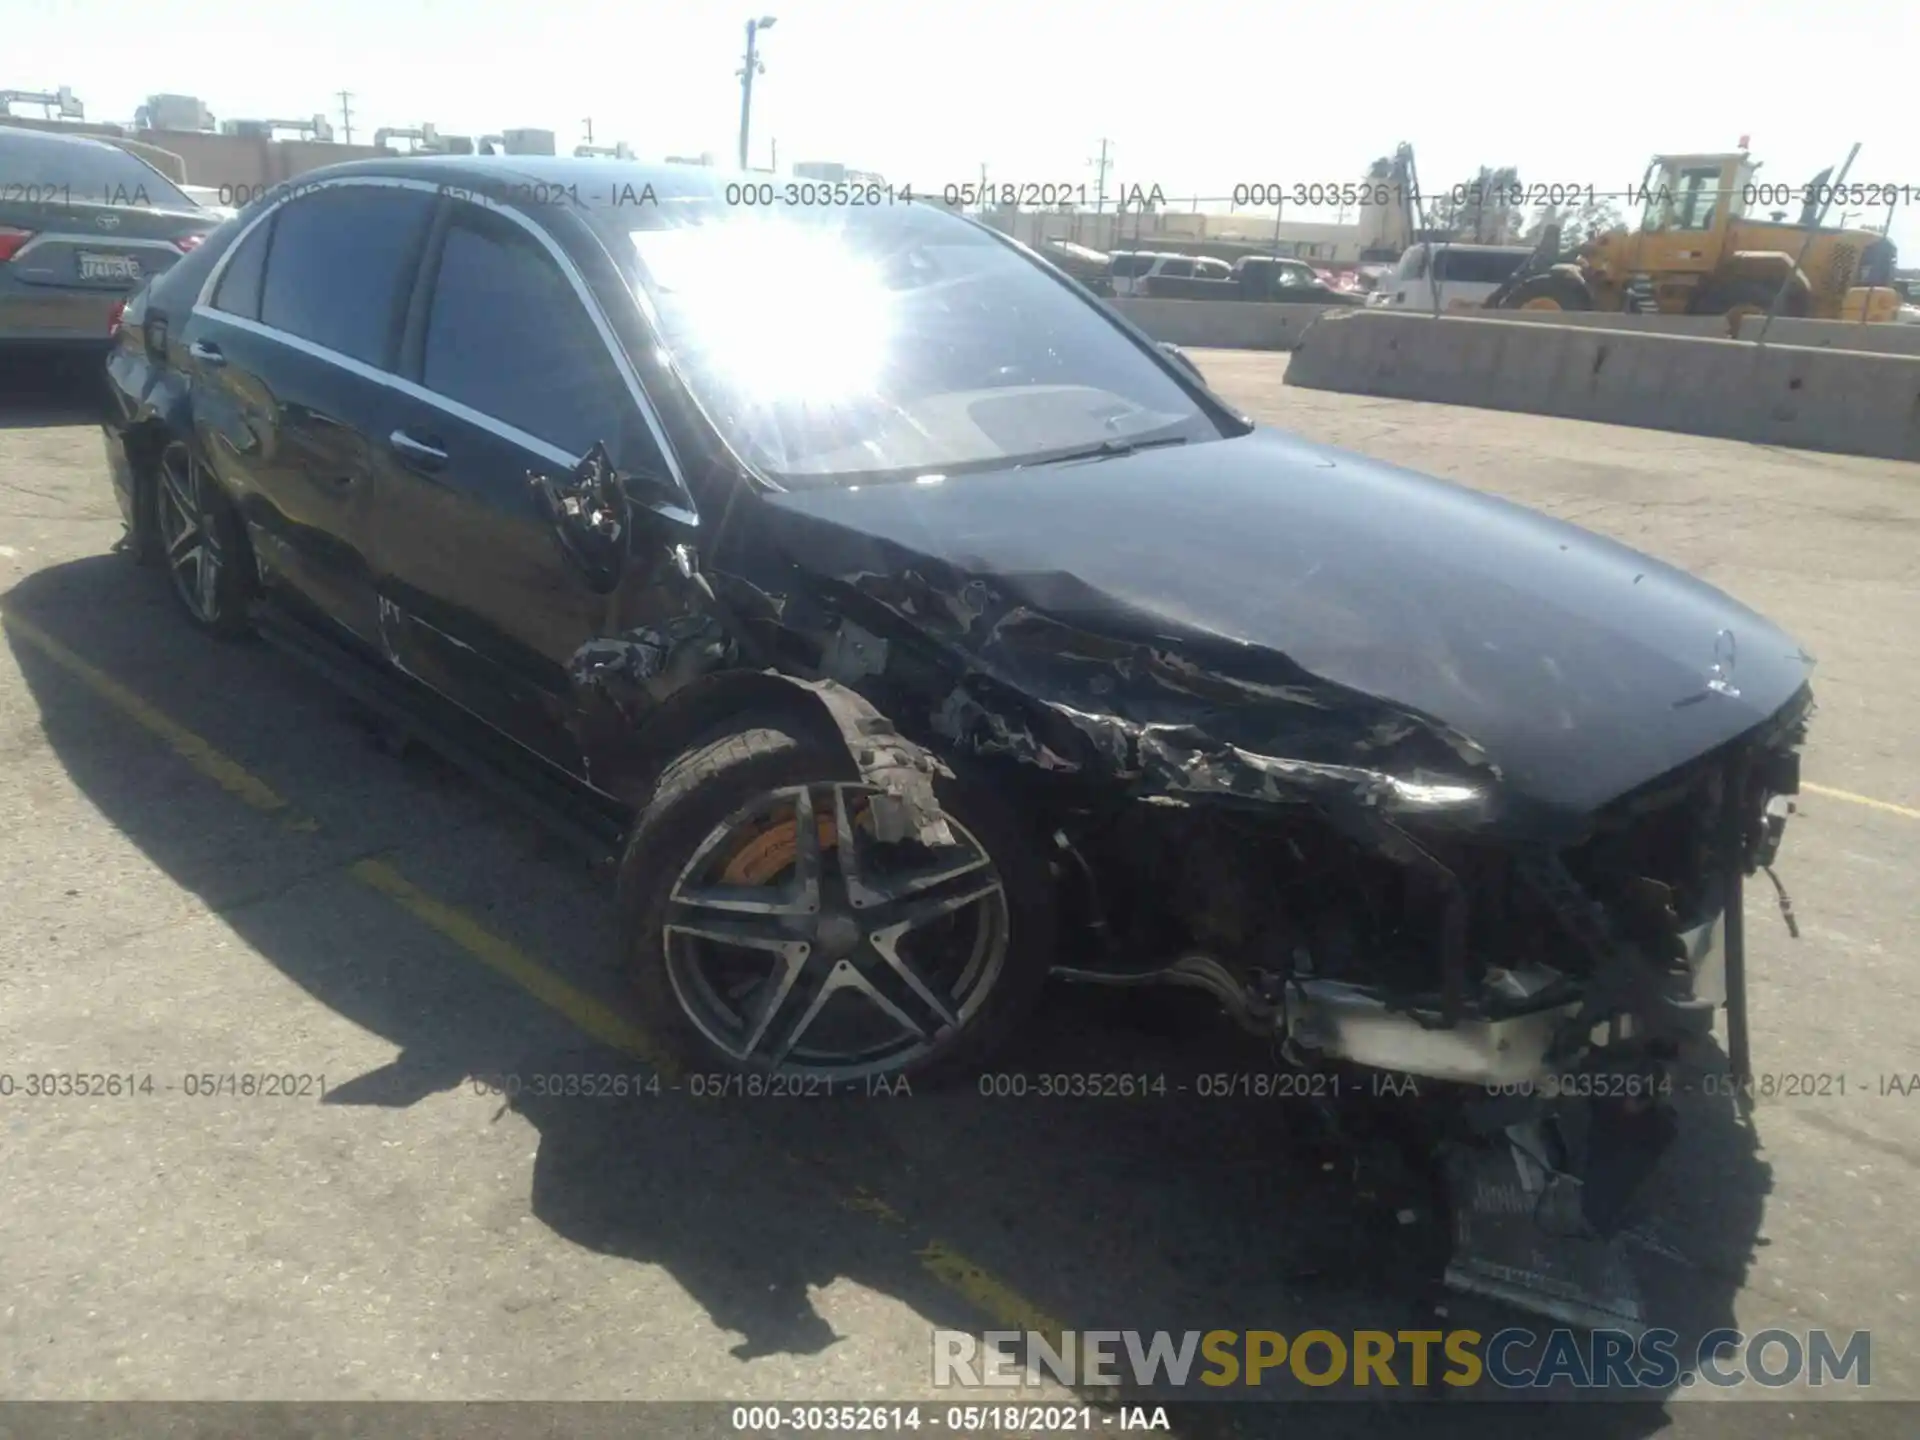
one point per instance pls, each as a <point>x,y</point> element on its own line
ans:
<point>1109,449</point>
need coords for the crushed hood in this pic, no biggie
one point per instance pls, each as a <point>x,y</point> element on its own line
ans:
<point>1303,602</point>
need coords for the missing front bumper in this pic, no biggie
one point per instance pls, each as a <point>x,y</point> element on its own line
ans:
<point>1334,1020</point>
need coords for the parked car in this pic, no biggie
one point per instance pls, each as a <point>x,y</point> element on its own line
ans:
<point>918,629</point>
<point>1464,275</point>
<point>1130,270</point>
<point>1293,282</point>
<point>207,197</point>
<point>82,224</point>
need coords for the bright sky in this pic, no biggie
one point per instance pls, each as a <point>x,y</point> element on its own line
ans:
<point>1196,98</point>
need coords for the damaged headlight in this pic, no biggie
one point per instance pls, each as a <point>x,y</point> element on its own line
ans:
<point>1430,794</point>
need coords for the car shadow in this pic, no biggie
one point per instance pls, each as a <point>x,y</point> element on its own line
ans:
<point>42,392</point>
<point>1172,1202</point>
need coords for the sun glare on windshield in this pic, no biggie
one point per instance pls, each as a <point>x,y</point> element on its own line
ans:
<point>783,312</point>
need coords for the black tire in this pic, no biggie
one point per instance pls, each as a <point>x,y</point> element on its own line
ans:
<point>1548,292</point>
<point>1747,297</point>
<point>195,525</point>
<point>708,785</point>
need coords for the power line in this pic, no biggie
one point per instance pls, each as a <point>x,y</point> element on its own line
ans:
<point>1100,188</point>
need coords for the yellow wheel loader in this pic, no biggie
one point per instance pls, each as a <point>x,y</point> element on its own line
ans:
<point>1700,250</point>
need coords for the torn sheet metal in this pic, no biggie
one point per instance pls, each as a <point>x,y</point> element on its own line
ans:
<point>906,807</point>
<point>638,668</point>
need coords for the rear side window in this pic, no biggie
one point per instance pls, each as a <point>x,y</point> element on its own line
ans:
<point>239,290</point>
<point>1178,269</point>
<point>341,266</point>
<point>508,336</point>
<point>1126,267</point>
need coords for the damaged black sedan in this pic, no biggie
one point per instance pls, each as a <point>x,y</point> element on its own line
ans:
<point>923,629</point>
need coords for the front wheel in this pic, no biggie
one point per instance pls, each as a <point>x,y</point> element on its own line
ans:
<point>1742,300</point>
<point>769,928</point>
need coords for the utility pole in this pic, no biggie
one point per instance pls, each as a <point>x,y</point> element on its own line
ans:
<point>346,115</point>
<point>1100,184</point>
<point>753,66</point>
<point>588,122</point>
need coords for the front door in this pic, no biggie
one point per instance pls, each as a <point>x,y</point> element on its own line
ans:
<point>509,376</point>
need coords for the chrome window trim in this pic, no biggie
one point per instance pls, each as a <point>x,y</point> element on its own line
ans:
<point>203,307</point>
<point>545,449</point>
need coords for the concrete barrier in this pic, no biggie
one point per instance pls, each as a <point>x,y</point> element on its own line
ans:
<point>1817,399</point>
<point>1717,327</point>
<point>1258,325</point>
<point>1879,339</point>
<point>1221,324</point>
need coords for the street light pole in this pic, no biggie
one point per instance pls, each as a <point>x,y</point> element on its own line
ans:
<point>747,72</point>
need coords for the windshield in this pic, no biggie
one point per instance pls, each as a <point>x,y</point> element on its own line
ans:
<point>836,346</point>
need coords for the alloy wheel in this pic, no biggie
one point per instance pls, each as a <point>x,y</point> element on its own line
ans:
<point>798,941</point>
<point>190,533</point>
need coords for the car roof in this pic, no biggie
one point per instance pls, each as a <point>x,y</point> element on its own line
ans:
<point>22,138</point>
<point>597,180</point>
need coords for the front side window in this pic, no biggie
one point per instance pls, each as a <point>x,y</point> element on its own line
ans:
<point>341,266</point>
<point>507,336</point>
<point>1699,197</point>
<point>1178,269</point>
<point>837,345</point>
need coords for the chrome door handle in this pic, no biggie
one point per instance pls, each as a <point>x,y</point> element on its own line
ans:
<point>417,453</point>
<point>206,354</point>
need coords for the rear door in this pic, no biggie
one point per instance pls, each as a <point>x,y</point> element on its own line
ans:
<point>513,372</point>
<point>291,358</point>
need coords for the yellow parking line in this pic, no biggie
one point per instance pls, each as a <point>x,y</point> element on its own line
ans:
<point>505,958</point>
<point>991,1296</point>
<point>1854,799</point>
<point>1007,1307</point>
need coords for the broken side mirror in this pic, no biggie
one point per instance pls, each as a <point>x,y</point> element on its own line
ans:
<point>591,516</point>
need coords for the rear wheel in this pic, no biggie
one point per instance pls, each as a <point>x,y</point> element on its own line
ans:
<point>199,542</point>
<point>1549,292</point>
<point>1737,299</point>
<point>768,927</point>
